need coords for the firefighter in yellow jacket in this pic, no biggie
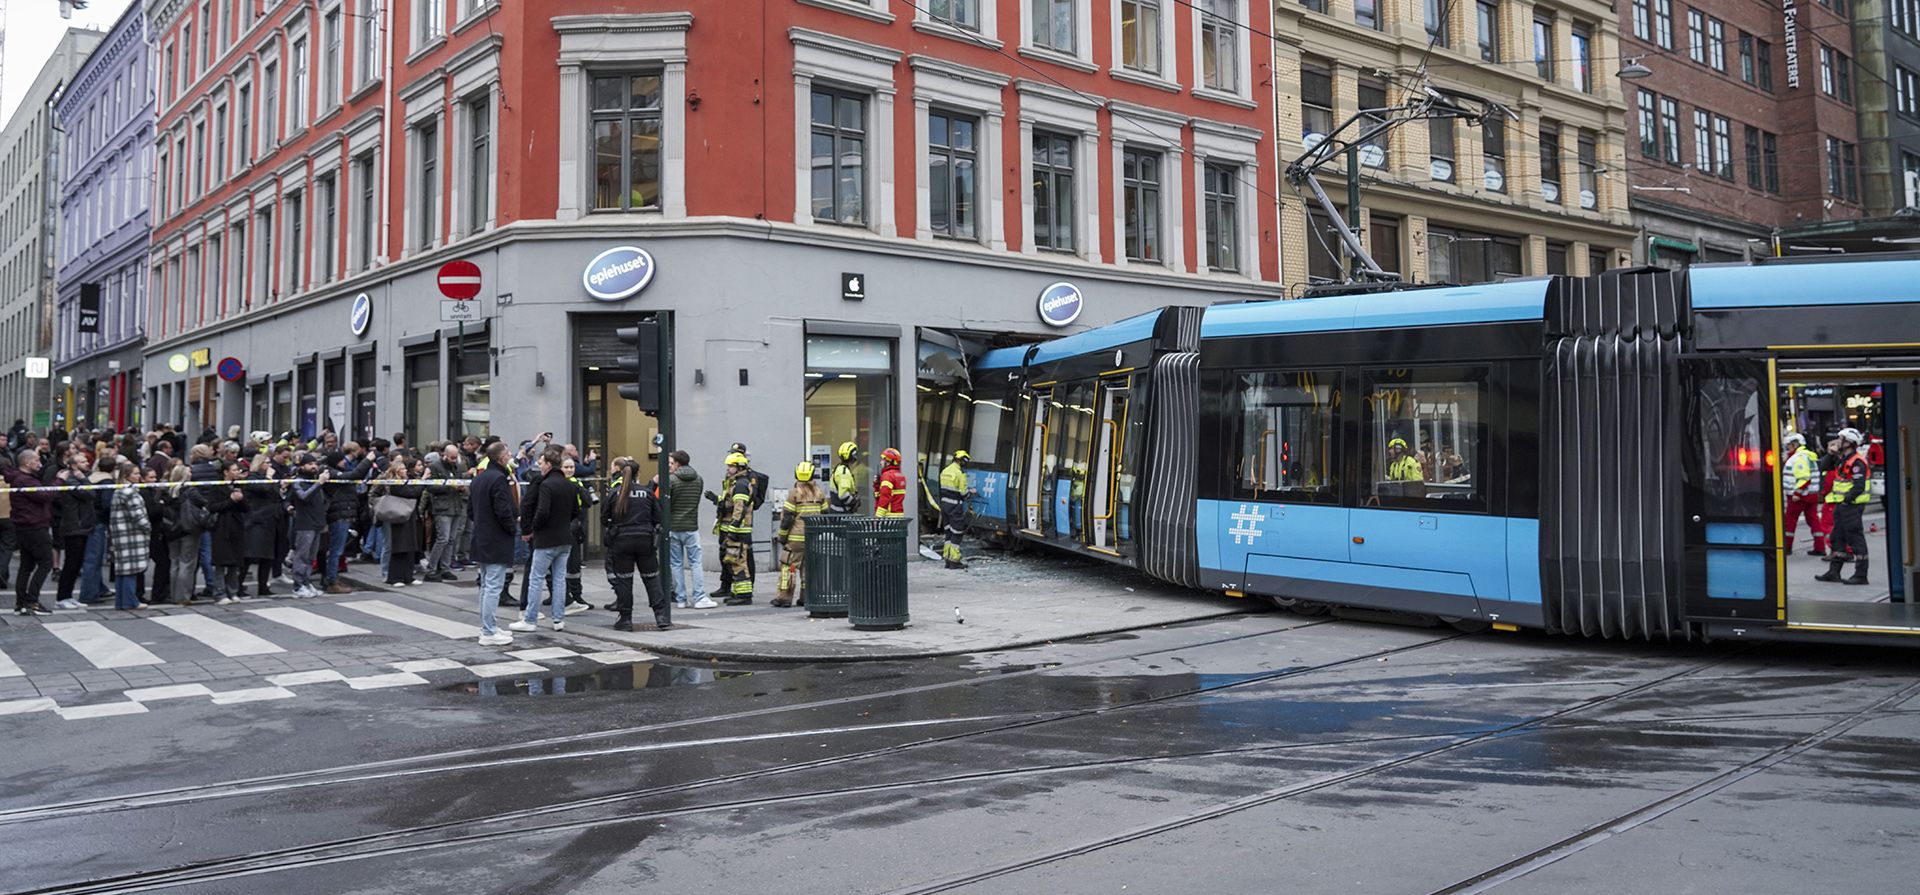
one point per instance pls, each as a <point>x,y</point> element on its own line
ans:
<point>844,496</point>
<point>953,509</point>
<point>734,525</point>
<point>803,500</point>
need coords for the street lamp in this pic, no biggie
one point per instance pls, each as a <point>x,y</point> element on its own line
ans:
<point>1633,70</point>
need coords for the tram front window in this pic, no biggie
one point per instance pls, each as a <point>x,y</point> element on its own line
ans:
<point>1426,434</point>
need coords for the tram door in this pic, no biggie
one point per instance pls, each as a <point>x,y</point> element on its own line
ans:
<point>1104,479</point>
<point>1035,411</point>
<point>1730,493</point>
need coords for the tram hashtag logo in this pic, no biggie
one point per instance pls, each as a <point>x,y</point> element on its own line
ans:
<point>1246,525</point>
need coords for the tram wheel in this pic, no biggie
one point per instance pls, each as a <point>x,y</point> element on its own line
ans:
<point>1301,607</point>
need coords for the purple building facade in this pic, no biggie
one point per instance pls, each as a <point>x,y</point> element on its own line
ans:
<point>105,125</point>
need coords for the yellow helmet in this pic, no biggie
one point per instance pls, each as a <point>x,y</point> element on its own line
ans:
<point>848,449</point>
<point>962,456</point>
<point>803,472</point>
<point>736,459</point>
<point>1400,443</point>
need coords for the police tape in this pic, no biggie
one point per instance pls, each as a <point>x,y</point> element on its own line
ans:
<point>255,483</point>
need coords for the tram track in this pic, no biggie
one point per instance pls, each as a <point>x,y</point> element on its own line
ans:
<point>392,842</point>
<point>484,757</point>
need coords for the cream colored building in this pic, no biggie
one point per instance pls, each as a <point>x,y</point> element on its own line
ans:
<point>1482,208</point>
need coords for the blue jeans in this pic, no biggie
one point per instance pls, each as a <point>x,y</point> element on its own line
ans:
<point>214,580</point>
<point>92,589</point>
<point>683,552</point>
<point>375,545</point>
<point>493,576</point>
<point>336,548</point>
<point>549,564</point>
<point>124,588</point>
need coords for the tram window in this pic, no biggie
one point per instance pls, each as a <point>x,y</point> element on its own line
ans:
<point>1288,422</point>
<point>1426,435</point>
<point>990,435</point>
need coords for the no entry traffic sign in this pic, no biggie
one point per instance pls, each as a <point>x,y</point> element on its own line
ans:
<point>460,280</point>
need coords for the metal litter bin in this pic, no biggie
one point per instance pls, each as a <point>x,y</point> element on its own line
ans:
<point>877,572</point>
<point>823,580</point>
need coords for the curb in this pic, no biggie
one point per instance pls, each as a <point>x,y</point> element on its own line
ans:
<point>732,654</point>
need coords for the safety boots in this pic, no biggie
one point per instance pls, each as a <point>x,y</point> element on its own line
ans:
<point>1833,570</point>
<point>1859,573</point>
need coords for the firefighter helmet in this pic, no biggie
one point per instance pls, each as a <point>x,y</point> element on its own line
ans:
<point>1852,435</point>
<point>962,456</point>
<point>847,451</point>
<point>736,459</point>
<point>803,472</point>
<point>890,457</point>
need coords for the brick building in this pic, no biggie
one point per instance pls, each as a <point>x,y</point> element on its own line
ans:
<point>1449,202</point>
<point>105,117</point>
<point>1746,125</point>
<point>826,191</point>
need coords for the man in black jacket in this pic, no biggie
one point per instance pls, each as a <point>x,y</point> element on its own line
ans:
<point>546,520</point>
<point>490,503</point>
<point>346,468</point>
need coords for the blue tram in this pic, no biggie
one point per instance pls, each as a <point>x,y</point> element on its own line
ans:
<point>1593,456</point>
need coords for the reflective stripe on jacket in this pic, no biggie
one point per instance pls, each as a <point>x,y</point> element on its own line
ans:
<point>1850,481</point>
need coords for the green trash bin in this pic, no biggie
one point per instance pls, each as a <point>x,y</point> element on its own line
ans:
<point>823,580</point>
<point>877,576</point>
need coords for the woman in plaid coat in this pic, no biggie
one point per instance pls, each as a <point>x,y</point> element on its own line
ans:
<point>129,532</point>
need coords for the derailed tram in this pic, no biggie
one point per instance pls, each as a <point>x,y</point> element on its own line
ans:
<point>1594,456</point>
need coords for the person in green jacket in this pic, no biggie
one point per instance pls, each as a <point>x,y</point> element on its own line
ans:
<point>682,498</point>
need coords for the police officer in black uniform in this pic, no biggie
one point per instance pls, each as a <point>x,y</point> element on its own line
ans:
<point>633,517</point>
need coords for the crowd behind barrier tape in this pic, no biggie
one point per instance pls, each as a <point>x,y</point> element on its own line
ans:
<point>253,482</point>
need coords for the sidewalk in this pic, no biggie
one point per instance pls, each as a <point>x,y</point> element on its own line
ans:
<point>1007,602</point>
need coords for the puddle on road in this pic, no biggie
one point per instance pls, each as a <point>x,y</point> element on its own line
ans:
<point>638,676</point>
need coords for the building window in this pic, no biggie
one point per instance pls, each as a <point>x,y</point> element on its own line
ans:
<point>1053,195</point>
<point>1543,44</point>
<point>839,151</point>
<point>243,113</point>
<point>1850,170</point>
<point>1702,142</point>
<point>1219,46</point>
<point>1440,148</point>
<point>1763,64</point>
<point>430,21</point>
<point>1643,19</point>
<point>1722,147</point>
<point>1326,255</point>
<point>219,143</point>
<point>1586,154</point>
<point>237,293</point>
<point>327,191</point>
<point>297,87</point>
<point>330,63</point>
<point>269,107</point>
<point>480,164</point>
<point>1466,258</point>
<point>1493,143</point>
<point>1487,24</point>
<point>1583,58</point>
<point>367,206</point>
<point>1557,259</point>
<point>366,48</point>
<point>1697,36</point>
<point>626,139</point>
<point>1770,154</point>
<point>1649,125</point>
<point>1315,5</point>
<point>1426,436</point>
<point>1373,100</point>
<point>1053,24</point>
<point>1550,164</point>
<point>296,242</point>
<point>1140,185</point>
<point>427,185</point>
<point>1906,91</point>
<point>1316,104</point>
<point>1663,23</point>
<point>1906,17</point>
<point>1717,44</point>
<point>952,163</point>
<point>1289,427</point>
<point>1833,166</point>
<point>1752,145</point>
<point>1746,57</point>
<point>206,34</point>
<point>263,268</point>
<point>1843,76</point>
<point>959,13</point>
<point>1670,129</point>
<point>1435,15</point>
<point>1222,189</point>
<point>1140,35</point>
<point>199,159</point>
<point>1366,13</point>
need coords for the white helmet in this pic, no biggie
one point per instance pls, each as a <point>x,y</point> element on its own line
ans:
<point>1852,435</point>
<point>1794,438</point>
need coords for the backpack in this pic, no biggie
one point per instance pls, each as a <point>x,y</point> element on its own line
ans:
<point>759,488</point>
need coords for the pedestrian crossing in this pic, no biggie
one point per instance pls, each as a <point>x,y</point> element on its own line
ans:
<point>248,643</point>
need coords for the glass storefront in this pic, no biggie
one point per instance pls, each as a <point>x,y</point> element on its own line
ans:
<point>470,401</point>
<point>850,398</point>
<point>422,422</point>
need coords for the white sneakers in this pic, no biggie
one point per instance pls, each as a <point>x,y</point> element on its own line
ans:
<point>223,601</point>
<point>559,626</point>
<point>497,638</point>
<point>523,626</point>
<point>68,604</point>
<point>705,603</point>
<point>305,592</point>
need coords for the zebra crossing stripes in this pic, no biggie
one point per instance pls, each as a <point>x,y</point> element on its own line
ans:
<point>222,638</point>
<point>104,648</point>
<point>8,668</point>
<point>432,624</point>
<point>311,623</point>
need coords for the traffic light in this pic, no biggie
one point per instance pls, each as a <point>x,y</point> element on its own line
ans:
<point>642,366</point>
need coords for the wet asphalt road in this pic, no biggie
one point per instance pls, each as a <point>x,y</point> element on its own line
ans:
<point>1254,754</point>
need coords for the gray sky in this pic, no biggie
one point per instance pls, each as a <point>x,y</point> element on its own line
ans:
<point>33,29</point>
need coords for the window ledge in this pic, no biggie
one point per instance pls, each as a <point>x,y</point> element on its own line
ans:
<point>1065,60</point>
<point>364,90</point>
<point>476,17</point>
<point>1143,78</point>
<point>1221,96</point>
<point>427,49</point>
<point>853,8</point>
<point>938,28</point>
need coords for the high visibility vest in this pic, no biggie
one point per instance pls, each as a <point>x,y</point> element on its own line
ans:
<point>845,490</point>
<point>1405,469</point>
<point>1852,482</point>
<point>953,482</point>
<point>1803,470</point>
